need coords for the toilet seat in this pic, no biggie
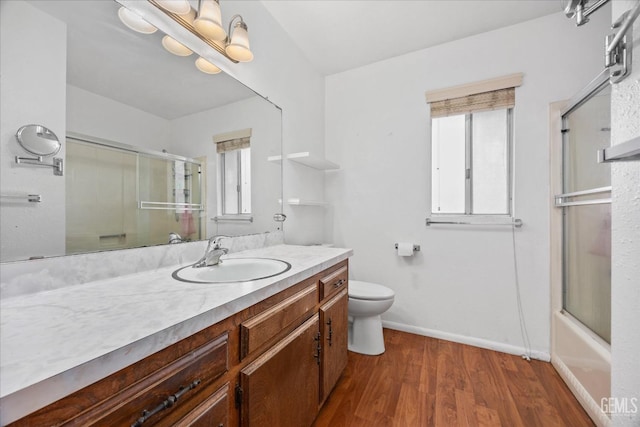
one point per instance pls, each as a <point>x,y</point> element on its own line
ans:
<point>369,291</point>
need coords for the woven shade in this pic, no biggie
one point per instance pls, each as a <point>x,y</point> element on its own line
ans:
<point>232,144</point>
<point>486,101</point>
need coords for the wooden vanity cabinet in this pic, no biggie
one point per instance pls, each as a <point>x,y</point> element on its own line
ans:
<point>334,321</point>
<point>272,364</point>
<point>280,388</point>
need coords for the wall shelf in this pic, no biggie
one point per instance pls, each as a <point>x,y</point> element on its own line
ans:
<point>275,159</point>
<point>308,159</point>
<point>304,202</point>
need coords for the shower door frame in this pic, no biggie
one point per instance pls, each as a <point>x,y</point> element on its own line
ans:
<point>582,359</point>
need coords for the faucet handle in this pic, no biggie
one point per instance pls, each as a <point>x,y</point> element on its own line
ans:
<point>215,240</point>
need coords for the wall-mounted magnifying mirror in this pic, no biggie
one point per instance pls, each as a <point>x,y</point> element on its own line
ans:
<point>38,140</point>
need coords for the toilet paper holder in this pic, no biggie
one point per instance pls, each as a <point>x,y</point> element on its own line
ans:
<point>416,248</point>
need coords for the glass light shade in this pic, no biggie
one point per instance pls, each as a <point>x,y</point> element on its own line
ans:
<point>209,20</point>
<point>189,16</point>
<point>180,7</point>
<point>238,47</point>
<point>175,47</point>
<point>135,21</point>
<point>206,66</point>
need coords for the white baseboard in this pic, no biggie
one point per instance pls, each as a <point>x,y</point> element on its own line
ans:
<point>462,339</point>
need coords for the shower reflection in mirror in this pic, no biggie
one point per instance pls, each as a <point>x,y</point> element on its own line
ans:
<point>121,197</point>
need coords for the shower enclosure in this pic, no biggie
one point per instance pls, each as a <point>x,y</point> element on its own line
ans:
<point>121,197</point>
<point>581,245</point>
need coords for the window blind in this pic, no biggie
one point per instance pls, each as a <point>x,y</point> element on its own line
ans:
<point>497,99</point>
<point>486,95</point>
<point>232,140</point>
<point>232,144</point>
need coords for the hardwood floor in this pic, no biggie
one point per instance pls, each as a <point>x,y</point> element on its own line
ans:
<point>421,381</point>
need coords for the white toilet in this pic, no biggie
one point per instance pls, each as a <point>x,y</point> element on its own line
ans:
<point>367,301</point>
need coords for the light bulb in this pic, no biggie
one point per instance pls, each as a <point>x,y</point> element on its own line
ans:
<point>209,20</point>
<point>238,47</point>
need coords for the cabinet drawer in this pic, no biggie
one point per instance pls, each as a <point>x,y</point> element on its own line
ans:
<point>212,412</point>
<point>261,328</point>
<point>334,282</point>
<point>162,392</point>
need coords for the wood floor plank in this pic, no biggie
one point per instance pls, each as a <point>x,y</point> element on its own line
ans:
<point>466,406</point>
<point>426,382</point>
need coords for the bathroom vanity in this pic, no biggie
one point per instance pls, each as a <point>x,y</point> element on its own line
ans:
<point>266,352</point>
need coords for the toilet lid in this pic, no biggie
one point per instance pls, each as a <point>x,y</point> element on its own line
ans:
<point>369,291</point>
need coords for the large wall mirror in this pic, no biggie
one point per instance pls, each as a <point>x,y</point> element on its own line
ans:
<point>152,147</point>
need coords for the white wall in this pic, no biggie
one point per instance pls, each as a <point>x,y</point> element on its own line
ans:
<point>32,83</point>
<point>461,284</point>
<point>625,274</point>
<point>101,117</point>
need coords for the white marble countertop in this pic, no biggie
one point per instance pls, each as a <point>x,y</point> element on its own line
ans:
<point>55,342</point>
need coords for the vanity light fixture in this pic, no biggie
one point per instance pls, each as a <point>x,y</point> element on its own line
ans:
<point>206,23</point>
<point>135,21</point>
<point>234,43</point>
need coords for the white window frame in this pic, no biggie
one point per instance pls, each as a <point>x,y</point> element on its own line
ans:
<point>468,202</point>
<point>231,140</point>
<point>464,90</point>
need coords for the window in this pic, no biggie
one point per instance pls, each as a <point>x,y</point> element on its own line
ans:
<point>234,166</point>
<point>471,143</point>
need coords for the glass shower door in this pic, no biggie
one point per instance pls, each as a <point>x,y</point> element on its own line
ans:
<point>586,205</point>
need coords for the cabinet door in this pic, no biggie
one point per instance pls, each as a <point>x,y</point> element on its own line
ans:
<point>280,388</point>
<point>334,318</point>
<point>212,412</point>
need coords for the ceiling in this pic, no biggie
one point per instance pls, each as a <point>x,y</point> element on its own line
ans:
<point>338,35</point>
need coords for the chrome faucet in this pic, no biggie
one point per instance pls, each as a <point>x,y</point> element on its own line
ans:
<point>213,253</point>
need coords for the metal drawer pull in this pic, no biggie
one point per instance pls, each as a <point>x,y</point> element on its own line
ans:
<point>168,403</point>
<point>318,348</point>
<point>339,283</point>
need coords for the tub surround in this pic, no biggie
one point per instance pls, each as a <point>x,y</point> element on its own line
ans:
<point>59,340</point>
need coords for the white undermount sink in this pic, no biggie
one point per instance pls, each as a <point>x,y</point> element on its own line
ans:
<point>233,270</point>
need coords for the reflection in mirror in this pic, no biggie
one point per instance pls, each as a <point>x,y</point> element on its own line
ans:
<point>124,87</point>
<point>124,197</point>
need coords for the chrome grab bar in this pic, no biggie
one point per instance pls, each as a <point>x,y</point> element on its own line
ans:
<point>33,198</point>
<point>170,206</point>
<point>225,218</point>
<point>560,199</point>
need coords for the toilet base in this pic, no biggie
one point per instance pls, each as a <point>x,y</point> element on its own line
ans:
<point>365,335</point>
